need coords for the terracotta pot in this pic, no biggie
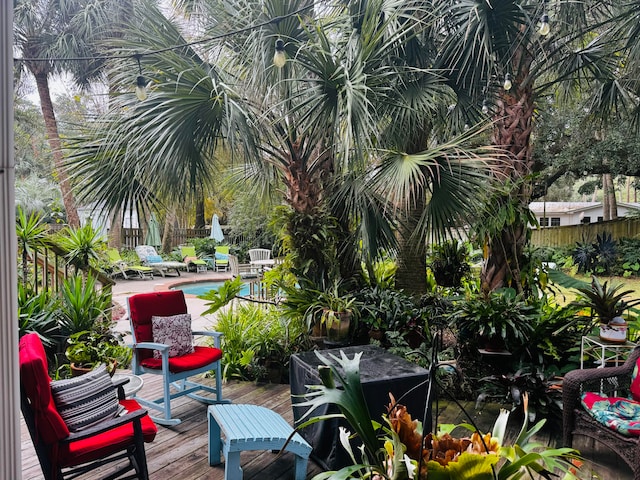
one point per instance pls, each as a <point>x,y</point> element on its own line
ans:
<point>77,370</point>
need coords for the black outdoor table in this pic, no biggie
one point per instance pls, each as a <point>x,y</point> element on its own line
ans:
<point>380,373</point>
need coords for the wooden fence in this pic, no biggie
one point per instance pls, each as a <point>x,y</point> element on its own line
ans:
<point>132,237</point>
<point>570,234</point>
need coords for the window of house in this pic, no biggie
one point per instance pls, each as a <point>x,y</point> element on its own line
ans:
<point>555,221</point>
<point>586,220</point>
<point>544,221</point>
<point>600,219</point>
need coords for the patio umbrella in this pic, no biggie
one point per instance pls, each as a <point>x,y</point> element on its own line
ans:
<point>216,230</point>
<point>153,232</point>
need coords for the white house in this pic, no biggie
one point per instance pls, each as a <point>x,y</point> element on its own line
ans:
<point>555,214</point>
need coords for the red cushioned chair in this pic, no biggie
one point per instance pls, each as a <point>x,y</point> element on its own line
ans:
<point>63,453</point>
<point>174,370</point>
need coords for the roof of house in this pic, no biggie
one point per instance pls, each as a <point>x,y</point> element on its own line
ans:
<point>572,207</point>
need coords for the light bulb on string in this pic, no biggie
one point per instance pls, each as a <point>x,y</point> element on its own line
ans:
<point>141,83</point>
<point>279,57</point>
<point>544,25</point>
<point>507,82</point>
<point>485,107</point>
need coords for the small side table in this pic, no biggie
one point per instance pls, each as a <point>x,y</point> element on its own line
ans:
<point>603,352</point>
<point>132,386</point>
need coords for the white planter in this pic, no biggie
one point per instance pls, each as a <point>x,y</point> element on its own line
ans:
<point>614,333</point>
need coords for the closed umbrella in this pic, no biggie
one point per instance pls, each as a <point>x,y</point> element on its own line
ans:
<point>216,229</point>
<point>153,232</point>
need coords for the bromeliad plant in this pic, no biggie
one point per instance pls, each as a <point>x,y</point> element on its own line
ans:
<point>396,448</point>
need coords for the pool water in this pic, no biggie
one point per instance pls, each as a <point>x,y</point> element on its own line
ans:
<point>200,288</point>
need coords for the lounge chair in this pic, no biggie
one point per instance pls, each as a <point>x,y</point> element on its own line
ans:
<point>120,267</point>
<point>149,257</point>
<point>222,258</point>
<point>190,257</point>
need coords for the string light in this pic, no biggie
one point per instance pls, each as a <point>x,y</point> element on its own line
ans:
<point>544,25</point>
<point>279,57</point>
<point>507,82</point>
<point>141,83</point>
<point>485,107</point>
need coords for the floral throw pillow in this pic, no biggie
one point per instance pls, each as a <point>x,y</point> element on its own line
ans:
<point>174,331</point>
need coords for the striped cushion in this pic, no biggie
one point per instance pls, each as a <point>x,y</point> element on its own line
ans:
<point>86,400</point>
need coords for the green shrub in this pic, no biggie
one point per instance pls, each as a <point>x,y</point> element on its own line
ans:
<point>257,342</point>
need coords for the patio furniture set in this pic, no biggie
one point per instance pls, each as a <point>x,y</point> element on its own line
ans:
<point>84,422</point>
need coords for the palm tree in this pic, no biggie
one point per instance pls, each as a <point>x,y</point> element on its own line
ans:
<point>484,44</point>
<point>46,32</point>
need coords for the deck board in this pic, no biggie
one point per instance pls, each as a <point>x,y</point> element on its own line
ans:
<point>181,451</point>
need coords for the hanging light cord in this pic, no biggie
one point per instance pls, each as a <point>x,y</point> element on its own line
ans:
<point>275,20</point>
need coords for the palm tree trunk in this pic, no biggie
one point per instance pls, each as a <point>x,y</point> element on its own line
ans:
<point>512,132</point>
<point>411,274</point>
<point>42,82</point>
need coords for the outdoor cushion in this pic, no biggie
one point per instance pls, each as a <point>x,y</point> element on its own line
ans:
<point>87,399</point>
<point>144,305</point>
<point>154,258</point>
<point>34,373</point>
<point>617,413</point>
<point>221,256</point>
<point>174,331</point>
<point>99,446</point>
<point>200,357</point>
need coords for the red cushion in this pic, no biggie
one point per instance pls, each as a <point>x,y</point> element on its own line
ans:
<point>35,382</point>
<point>106,443</point>
<point>143,306</point>
<point>201,357</point>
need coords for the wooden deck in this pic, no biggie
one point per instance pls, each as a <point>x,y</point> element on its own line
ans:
<point>181,451</point>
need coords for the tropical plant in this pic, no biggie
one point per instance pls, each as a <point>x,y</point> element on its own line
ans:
<point>450,263</point>
<point>256,340</point>
<point>83,245</point>
<point>216,299</point>
<point>82,304</point>
<point>605,301</point>
<point>502,317</point>
<point>101,344</point>
<point>38,312</point>
<point>398,447</point>
<point>32,234</point>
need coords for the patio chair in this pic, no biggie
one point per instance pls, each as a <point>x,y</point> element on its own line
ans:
<point>259,254</point>
<point>120,267</point>
<point>68,444</point>
<point>150,258</point>
<point>222,258</point>
<point>163,345</point>
<point>591,402</point>
<point>190,257</point>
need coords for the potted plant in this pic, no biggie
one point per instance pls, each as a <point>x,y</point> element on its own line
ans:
<point>337,310</point>
<point>101,344</point>
<point>607,304</point>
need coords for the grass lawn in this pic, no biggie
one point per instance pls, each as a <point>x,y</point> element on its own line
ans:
<point>568,295</point>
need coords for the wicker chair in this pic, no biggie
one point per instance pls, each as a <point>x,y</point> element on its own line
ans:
<point>610,381</point>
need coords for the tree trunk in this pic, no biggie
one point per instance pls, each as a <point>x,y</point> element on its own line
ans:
<point>610,204</point>
<point>114,238</point>
<point>42,82</point>
<point>411,274</point>
<point>512,132</point>
<point>200,221</point>
<point>170,222</point>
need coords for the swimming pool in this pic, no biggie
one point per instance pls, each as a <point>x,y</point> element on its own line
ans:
<point>200,288</point>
